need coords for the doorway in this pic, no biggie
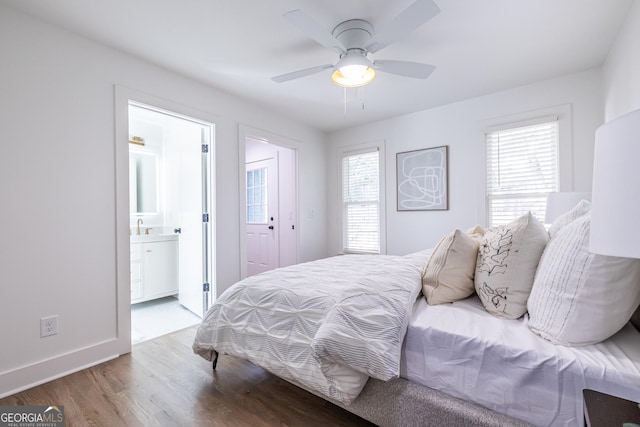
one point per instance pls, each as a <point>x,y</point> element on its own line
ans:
<point>170,200</point>
<point>263,218</point>
<point>270,205</point>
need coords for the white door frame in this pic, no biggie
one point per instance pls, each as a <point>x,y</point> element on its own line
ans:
<point>123,280</point>
<point>244,132</point>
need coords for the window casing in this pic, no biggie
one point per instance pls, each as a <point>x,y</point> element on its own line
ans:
<point>522,169</point>
<point>361,202</point>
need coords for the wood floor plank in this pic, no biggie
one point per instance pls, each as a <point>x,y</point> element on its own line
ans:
<point>162,383</point>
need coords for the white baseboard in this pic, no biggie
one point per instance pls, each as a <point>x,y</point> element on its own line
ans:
<point>26,377</point>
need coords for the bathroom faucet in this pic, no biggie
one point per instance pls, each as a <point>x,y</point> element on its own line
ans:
<point>138,226</point>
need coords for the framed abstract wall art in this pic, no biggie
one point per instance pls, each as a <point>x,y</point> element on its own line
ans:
<point>422,179</point>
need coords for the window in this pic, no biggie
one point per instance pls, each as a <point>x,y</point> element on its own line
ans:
<point>257,196</point>
<point>522,169</point>
<point>361,202</point>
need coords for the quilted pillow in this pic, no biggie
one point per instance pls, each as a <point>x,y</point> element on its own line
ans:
<point>567,218</point>
<point>580,298</point>
<point>448,276</point>
<point>507,260</point>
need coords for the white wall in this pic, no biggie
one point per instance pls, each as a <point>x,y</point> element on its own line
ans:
<point>57,168</point>
<point>621,71</point>
<point>460,126</point>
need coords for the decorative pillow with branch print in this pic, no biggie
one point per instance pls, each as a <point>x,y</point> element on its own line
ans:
<point>507,261</point>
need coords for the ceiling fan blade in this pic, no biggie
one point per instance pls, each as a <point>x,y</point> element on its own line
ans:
<point>314,30</point>
<point>301,73</point>
<point>404,68</point>
<point>409,19</point>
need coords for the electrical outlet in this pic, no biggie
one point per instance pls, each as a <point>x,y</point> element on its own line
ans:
<point>48,326</point>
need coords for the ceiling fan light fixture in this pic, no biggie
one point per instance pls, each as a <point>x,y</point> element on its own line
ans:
<point>353,70</point>
<point>353,75</point>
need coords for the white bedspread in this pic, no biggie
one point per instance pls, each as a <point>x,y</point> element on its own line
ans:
<point>326,325</point>
<point>500,364</point>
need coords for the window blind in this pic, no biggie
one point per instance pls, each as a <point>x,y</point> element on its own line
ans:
<point>522,169</point>
<point>361,203</point>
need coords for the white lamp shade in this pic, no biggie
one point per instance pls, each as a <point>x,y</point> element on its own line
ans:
<point>615,208</point>
<point>559,203</point>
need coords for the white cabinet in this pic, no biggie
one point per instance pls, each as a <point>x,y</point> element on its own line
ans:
<point>154,268</point>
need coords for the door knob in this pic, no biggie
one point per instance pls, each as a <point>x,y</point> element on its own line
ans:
<point>271,227</point>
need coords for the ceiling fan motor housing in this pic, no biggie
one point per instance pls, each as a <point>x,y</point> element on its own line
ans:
<point>354,33</point>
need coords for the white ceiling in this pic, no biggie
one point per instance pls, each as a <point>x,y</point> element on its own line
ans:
<point>478,46</point>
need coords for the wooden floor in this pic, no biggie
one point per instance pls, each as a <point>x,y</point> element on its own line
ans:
<point>163,383</point>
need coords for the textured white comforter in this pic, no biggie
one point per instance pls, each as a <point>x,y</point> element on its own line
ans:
<point>325,325</point>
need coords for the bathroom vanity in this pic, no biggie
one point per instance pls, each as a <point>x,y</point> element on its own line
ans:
<point>154,266</point>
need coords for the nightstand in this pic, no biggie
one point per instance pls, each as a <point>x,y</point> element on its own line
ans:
<point>604,410</point>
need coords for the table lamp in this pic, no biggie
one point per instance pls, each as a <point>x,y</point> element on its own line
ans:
<point>615,203</point>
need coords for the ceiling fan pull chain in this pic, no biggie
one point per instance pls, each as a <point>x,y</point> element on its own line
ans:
<point>344,99</point>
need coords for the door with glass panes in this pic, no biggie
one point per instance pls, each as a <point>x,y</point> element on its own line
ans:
<point>262,216</point>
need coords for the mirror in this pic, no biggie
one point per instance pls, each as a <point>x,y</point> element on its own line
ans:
<point>143,187</point>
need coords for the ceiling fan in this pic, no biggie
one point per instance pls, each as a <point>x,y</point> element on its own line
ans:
<point>355,39</point>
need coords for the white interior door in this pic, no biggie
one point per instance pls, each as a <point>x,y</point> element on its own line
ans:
<point>262,216</point>
<point>194,219</point>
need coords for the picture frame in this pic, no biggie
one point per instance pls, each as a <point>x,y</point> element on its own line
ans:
<point>422,179</point>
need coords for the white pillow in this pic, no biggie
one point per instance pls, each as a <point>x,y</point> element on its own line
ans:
<point>567,218</point>
<point>448,276</point>
<point>580,298</point>
<point>477,232</point>
<point>507,262</point>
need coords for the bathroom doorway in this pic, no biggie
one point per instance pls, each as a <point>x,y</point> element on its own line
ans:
<point>170,220</point>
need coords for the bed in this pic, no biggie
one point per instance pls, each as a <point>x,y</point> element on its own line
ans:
<point>357,331</point>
